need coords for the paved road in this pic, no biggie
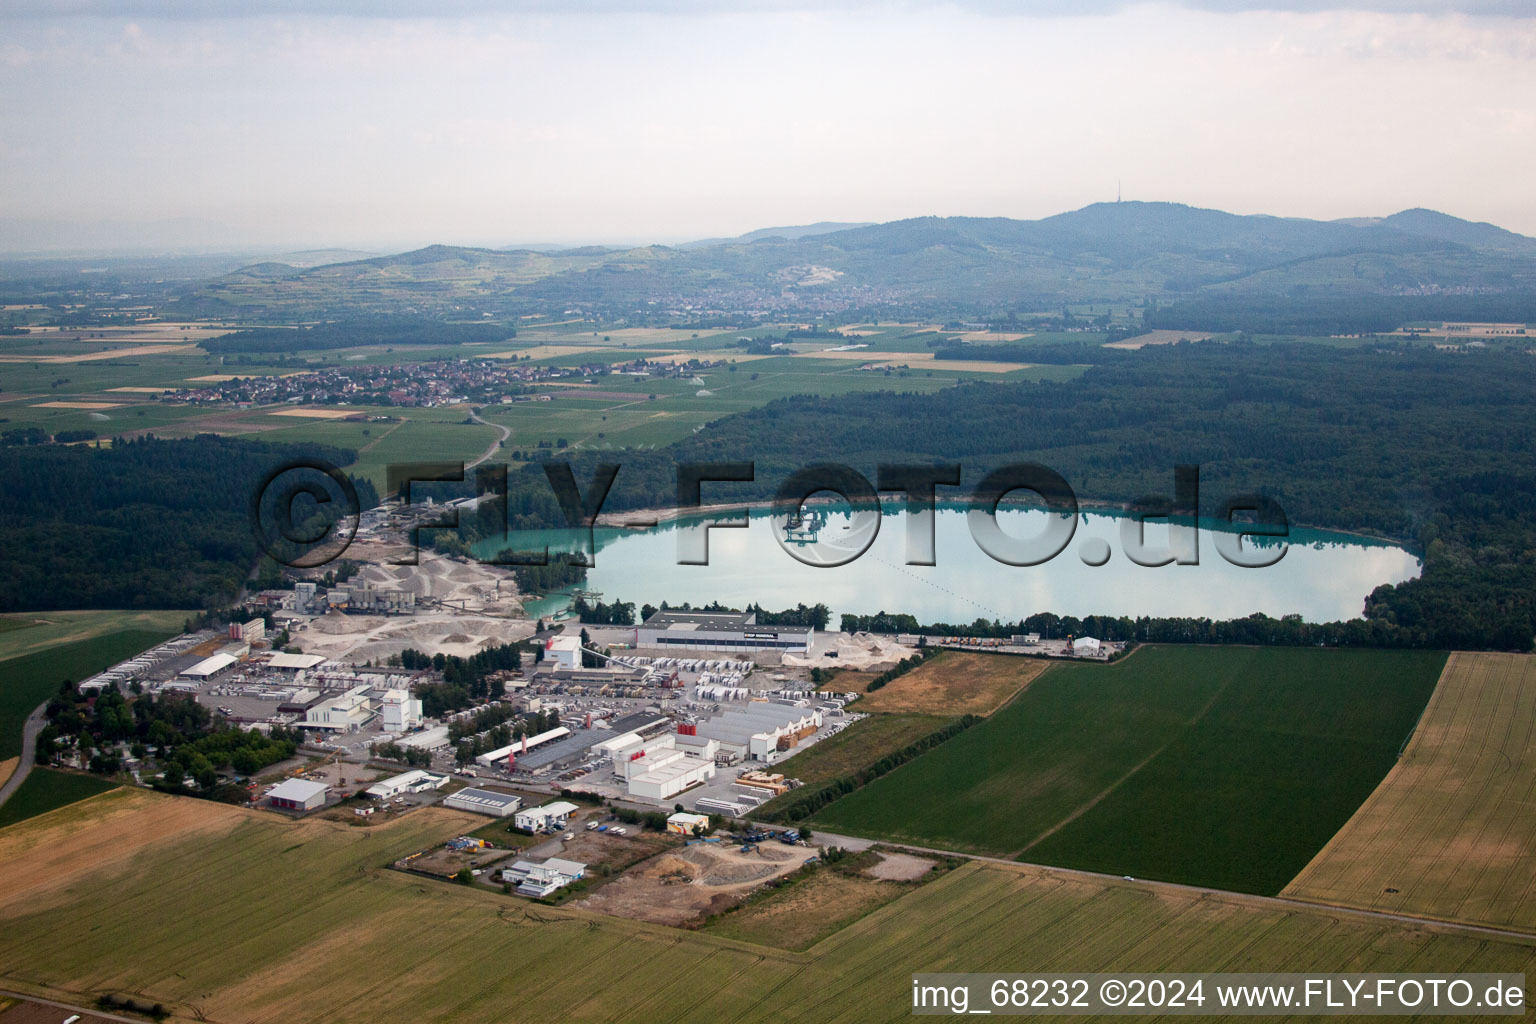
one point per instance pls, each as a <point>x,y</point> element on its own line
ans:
<point>34,725</point>
<point>506,432</point>
<point>1283,902</point>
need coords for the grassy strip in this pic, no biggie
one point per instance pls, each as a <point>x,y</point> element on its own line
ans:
<point>798,804</point>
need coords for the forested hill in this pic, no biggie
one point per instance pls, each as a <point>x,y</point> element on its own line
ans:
<point>143,524</point>
<point>1104,253</point>
<point>1435,448</point>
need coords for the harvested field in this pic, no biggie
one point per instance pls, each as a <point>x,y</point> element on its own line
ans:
<point>315,414</point>
<point>540,352</point>
<point>78,405</point>
<point>954,683</point>
<point>1450,833</point>
<point>800,914</point>
<point>310,928</point>
<point>683,886</point>
<point>1158,338</point>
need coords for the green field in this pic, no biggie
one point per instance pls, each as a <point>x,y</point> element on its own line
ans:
<point>862,743</point>
<point>28,680</point>
<point>309,926</point>
<point>1219,766</point>
<point>46,790</point>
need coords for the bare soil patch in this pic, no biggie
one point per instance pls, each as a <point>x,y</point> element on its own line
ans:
<point>954,683</point>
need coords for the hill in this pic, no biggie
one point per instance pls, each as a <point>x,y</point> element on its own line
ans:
<point>1105,253</point>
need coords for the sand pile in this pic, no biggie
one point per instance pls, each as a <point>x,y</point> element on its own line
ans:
<point>337,624</point>
<point>858,651</point>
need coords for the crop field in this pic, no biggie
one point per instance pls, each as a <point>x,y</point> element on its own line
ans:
<point>25,632</point>
<point>131,891</point>
<point>29,679</point>
<point>1450,833</point>
<point>1227,767</point>
<point>862,743</point>
<point>45,790</point>
<point>954,683</point>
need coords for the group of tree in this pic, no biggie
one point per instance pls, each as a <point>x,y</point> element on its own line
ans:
<point>465,681</point>
<point>618,613</point>
<point>901,668</point>
<point>145,523</point>
<point>180,734</point>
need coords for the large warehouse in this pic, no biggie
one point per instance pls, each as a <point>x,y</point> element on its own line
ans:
<point>720,631</point>
<point>761,731</point>
<point>484,801</point>
<point>297,795</point>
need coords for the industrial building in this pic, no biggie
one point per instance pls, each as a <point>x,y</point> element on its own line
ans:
<point>294,663</point>
<point>547,818</point>
<point>248,632</point>
<point>720,631</point>
<point>761,731</point>
<point>402,712</point>
<point>540,880</point>
<point>657,769</point>
<point>686,824</point>
<point>367,598</point>
<point>484,801</point>
<point>1085,645</point>
<point>297,795</point>
<point>501,756</point>
<point>346,713</point>
<point>211,667</point>
<point>418,781</point>
<point>563,652</point>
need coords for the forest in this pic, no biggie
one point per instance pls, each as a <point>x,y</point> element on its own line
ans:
<point>1430,448</point>
<point>146,523</point>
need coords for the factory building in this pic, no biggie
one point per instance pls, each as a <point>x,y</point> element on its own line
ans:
<point>429,739</point>
<point>563,652</point>
<point>346,713</point>
<point>294,663</point>
<point>401,711</point>
<point>211,667</point>
<point>720,631</point>
<point>761,731</point>
<point>484,801</point>
<point>297,795</point>
<point>248,632</point>
<point>548,818</point>
<point>304,598</point>
<point>418,781</point>
<point>659,770</point>
<point>522,746</point>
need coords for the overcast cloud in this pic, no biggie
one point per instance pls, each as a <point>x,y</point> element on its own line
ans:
<point>498,123</point>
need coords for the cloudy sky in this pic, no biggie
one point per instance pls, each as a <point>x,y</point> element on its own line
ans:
<point>477,122</point>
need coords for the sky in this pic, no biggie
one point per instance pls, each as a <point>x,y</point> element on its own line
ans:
<point>130,123</point>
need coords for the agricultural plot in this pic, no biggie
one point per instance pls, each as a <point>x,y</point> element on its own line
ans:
<point>1227,767</point>
<point>1450,833</point>
<point>29,679</point>
<point>953,683</point>
<point>45,790</point>
<point>129,891</point>
<point>862,743</point>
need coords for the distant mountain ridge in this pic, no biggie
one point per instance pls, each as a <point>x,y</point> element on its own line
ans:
<point>1105,252</point>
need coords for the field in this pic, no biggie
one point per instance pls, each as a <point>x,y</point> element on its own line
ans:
<point>1450,833</point>
<point>862,743</point>
<point>28,680</point>
<point>25,632</point>
<point>800,914</point>
<point>45,790</point>
<point>954,683</point>
<point>134,891</point>
<point>1220,766</point>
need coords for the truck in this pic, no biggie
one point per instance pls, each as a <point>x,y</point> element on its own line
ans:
<point>790,836</point>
